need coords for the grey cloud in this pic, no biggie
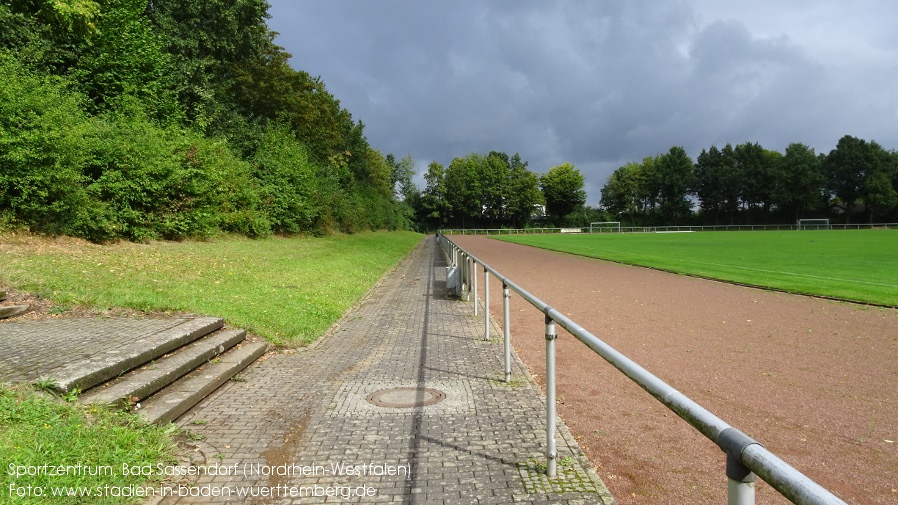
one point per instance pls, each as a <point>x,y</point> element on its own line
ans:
<point>594,83</point>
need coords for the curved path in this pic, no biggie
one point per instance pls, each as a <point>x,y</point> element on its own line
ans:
<point>815,381</point>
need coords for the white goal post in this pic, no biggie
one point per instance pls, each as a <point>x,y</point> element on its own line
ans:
<point>814,224</point>
<point>605,227</point>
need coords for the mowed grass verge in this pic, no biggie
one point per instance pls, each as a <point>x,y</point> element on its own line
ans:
<point>287,290</point>
<point>855,265</point>
<point>37,431</point>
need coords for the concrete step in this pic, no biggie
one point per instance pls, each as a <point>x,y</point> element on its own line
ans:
<point>98,368</point>
<point>176,399</point>
<point>155,375</point>
<point>13,310</point>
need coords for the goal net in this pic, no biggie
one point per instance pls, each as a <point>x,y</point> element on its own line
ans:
<point>814,224</point>
<point>605,227</point>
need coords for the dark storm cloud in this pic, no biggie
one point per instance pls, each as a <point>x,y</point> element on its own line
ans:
<point>594,83</point>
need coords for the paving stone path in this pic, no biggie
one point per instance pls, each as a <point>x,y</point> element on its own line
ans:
<point>299,425</point>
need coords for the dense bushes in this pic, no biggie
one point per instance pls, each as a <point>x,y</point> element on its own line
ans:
<point>118,174</point>
<point>174,119</point>
<point>41,150</point>
<point>286,181</point>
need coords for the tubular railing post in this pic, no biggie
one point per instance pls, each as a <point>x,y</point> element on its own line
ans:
<point>463,276</point>
<point>740,479</point>
<point>506,330</point>
<point>460,267</point>
<point>467,277</point>
<point>486,304</point>
<point>474,285</point>
<point>551,454</point>
<point>740,491</point>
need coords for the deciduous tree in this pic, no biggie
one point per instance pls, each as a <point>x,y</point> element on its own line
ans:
<point>562,188</point>
<point>675,173</point>
<point>845,167</point>
<point>717,183</point>
<point>754,165</point>
<point>523,195</point>
<point>798,182</point>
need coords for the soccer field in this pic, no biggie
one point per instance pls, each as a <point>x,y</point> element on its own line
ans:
<point>858,265</point>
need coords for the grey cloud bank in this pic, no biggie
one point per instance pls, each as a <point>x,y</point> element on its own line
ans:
<point>599,83</point>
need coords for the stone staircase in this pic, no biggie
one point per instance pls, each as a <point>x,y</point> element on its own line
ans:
<point>161,376</point>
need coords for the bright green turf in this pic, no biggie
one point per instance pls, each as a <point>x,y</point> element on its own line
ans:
<point>859,265</point>
<point>288,290</point>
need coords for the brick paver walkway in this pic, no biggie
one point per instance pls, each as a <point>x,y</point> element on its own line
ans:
<point>300,422</point>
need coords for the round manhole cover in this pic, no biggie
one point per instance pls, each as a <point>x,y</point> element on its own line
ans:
<point>406,398</point>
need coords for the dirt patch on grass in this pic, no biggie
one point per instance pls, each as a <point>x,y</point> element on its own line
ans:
<point>813,380</point>
<point>43,308</point>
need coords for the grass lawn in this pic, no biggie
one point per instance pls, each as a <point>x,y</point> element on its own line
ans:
<point>857,265</point>
<point>287,290</point>
<point>37,431</point>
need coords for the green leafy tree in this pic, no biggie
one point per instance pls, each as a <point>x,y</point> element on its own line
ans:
<point>586,214</point>
<point>632,192</point>
<point>621,194</point>
<point>463,191</point>
<point>267,87</point>
<point>186,119</point>
<point>861,172</point>
<point>286,180</point>
<point>403,175</point>
<point>492,190</point>
<point>649,184</point>
<point>433,209</point>
<point>798,182</point>
<point>893,163</point>
<point>717,183</point>
<point>523,193</point>
<point>49,34</point>
<point>109,48</point>
<point>675,173</point>
<point>208,39</point>
<point>378,173</point>
<point>75,16</point>
<point>880,195</point>
<point>755,164</point>
<point>494,172</point>
<point>126,58</point>
<point>879,192</point>
<point>562,188</point>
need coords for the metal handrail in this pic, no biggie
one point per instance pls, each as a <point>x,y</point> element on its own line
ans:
<point>746,458</point>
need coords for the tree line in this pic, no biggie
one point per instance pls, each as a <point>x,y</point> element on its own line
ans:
<point>496,190</point>
<point>747,184</point>
<point>145,119</point>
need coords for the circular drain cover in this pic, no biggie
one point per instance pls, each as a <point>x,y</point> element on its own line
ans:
<point>406,398</point>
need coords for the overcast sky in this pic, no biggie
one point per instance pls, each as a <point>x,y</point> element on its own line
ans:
<point>600,82</point>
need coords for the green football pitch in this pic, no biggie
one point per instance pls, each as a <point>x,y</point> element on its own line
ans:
<point>857,265</point>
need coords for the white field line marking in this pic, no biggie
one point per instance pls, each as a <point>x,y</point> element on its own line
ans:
<point>750,269</point>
